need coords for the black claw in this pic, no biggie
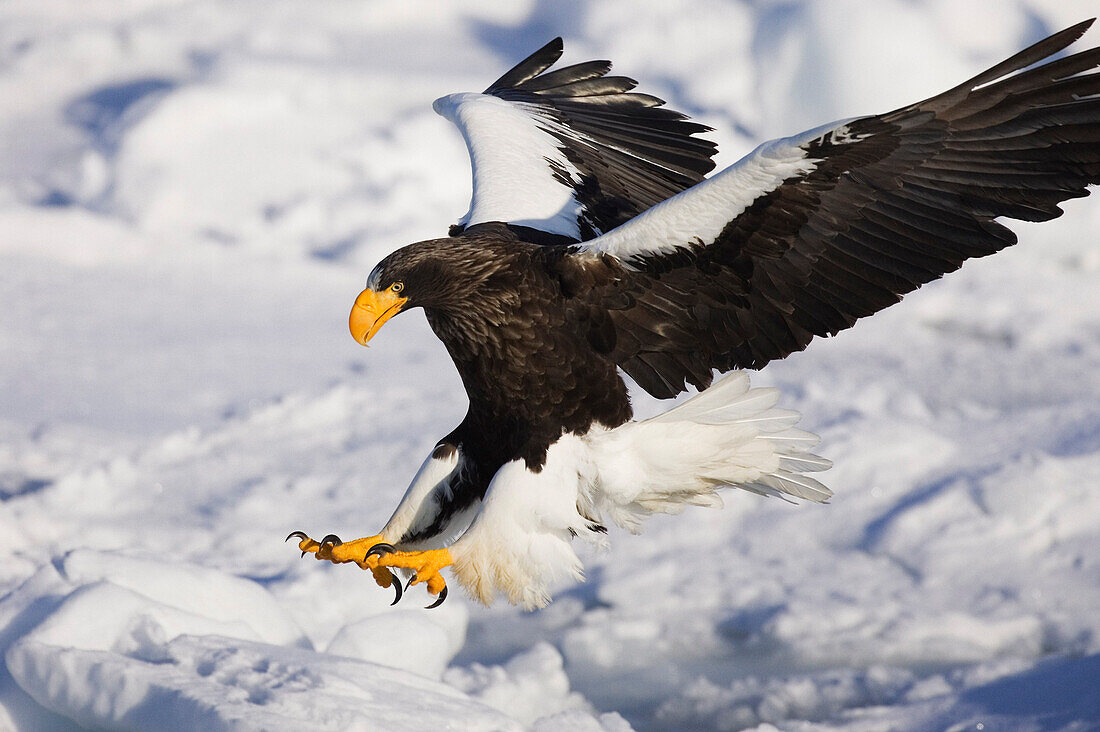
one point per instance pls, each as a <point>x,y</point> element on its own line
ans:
<point>397,588</point>
<point>296,535</point>
<point>380,549</point>
<point>442,593</point>
<point>324,551</point>
<point>442,597</point>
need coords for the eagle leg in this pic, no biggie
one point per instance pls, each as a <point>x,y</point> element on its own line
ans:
<point>339,552</point>
<point>425,566</point>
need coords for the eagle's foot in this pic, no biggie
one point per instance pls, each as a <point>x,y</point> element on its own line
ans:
<point>425,566</point>
<point>339,552</point>
<point>334,550</point>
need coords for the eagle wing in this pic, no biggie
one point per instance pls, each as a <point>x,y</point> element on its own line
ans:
<point>807,234</point>
<point>571,153</point>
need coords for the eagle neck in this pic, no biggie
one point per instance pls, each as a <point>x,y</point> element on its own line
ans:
<point>529,380</point>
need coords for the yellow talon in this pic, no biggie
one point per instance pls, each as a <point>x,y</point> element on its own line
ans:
<point>377,555</point>
<point>382,576</point>
<point>340,552</point>
<point>425,565</point>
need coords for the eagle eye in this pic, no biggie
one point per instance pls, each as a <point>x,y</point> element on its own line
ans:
<point>397,286</point>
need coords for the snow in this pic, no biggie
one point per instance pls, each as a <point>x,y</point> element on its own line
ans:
<point>191,194</point>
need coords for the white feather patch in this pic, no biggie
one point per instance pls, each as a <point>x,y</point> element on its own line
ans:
<point>520,542</point>
<point>419,509</point>
<point>512,180</point>
<point>727,436</point>
<point>698,215</point>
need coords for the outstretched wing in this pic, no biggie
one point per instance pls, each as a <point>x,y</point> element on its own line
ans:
<point>808,234</point>
<point>572,152</point>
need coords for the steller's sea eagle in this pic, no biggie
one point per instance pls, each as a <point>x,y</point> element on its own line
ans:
<point>594,243</point>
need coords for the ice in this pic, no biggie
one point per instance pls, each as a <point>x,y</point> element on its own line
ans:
<point>141,644</point>
<point>191,193</point>
<point>405,640</point>
<point>212,683</point>
<point>530,686</point>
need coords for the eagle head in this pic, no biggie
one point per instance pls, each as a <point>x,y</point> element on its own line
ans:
<point>443,275</point>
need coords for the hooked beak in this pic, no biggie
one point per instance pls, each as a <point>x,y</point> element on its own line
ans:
<point>371,311</point>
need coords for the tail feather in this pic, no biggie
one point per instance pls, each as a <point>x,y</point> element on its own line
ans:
<point>792,437</point>
<point>728,400</point>
<point>726,436</point>
<point>768,420</point>
<point>799,486</point>
<point>804,463</point>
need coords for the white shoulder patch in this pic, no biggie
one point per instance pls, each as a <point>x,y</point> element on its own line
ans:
<point>698,215</point>
<point>415,510</point>
<point>510,156</point>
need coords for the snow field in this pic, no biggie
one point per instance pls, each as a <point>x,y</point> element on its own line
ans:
<point>191,194</point>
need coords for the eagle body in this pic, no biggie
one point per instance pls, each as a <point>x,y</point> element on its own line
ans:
<point>523,348</point>
<point>596,246</point>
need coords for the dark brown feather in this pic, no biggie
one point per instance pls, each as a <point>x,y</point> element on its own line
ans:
<point>906,198</point>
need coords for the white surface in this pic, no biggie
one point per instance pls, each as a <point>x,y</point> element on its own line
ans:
<point>179,392</point>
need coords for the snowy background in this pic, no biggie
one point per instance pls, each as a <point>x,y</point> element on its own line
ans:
<point>191,195</point>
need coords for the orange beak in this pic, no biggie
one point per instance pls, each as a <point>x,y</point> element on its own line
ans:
<point>371,311</point>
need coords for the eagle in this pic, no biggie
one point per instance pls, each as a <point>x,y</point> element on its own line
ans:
<point>596,246</point>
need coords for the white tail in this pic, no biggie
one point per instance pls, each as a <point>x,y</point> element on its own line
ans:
<point>727,435</point>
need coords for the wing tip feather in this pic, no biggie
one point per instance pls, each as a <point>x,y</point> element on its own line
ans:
<point>530,67</point>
